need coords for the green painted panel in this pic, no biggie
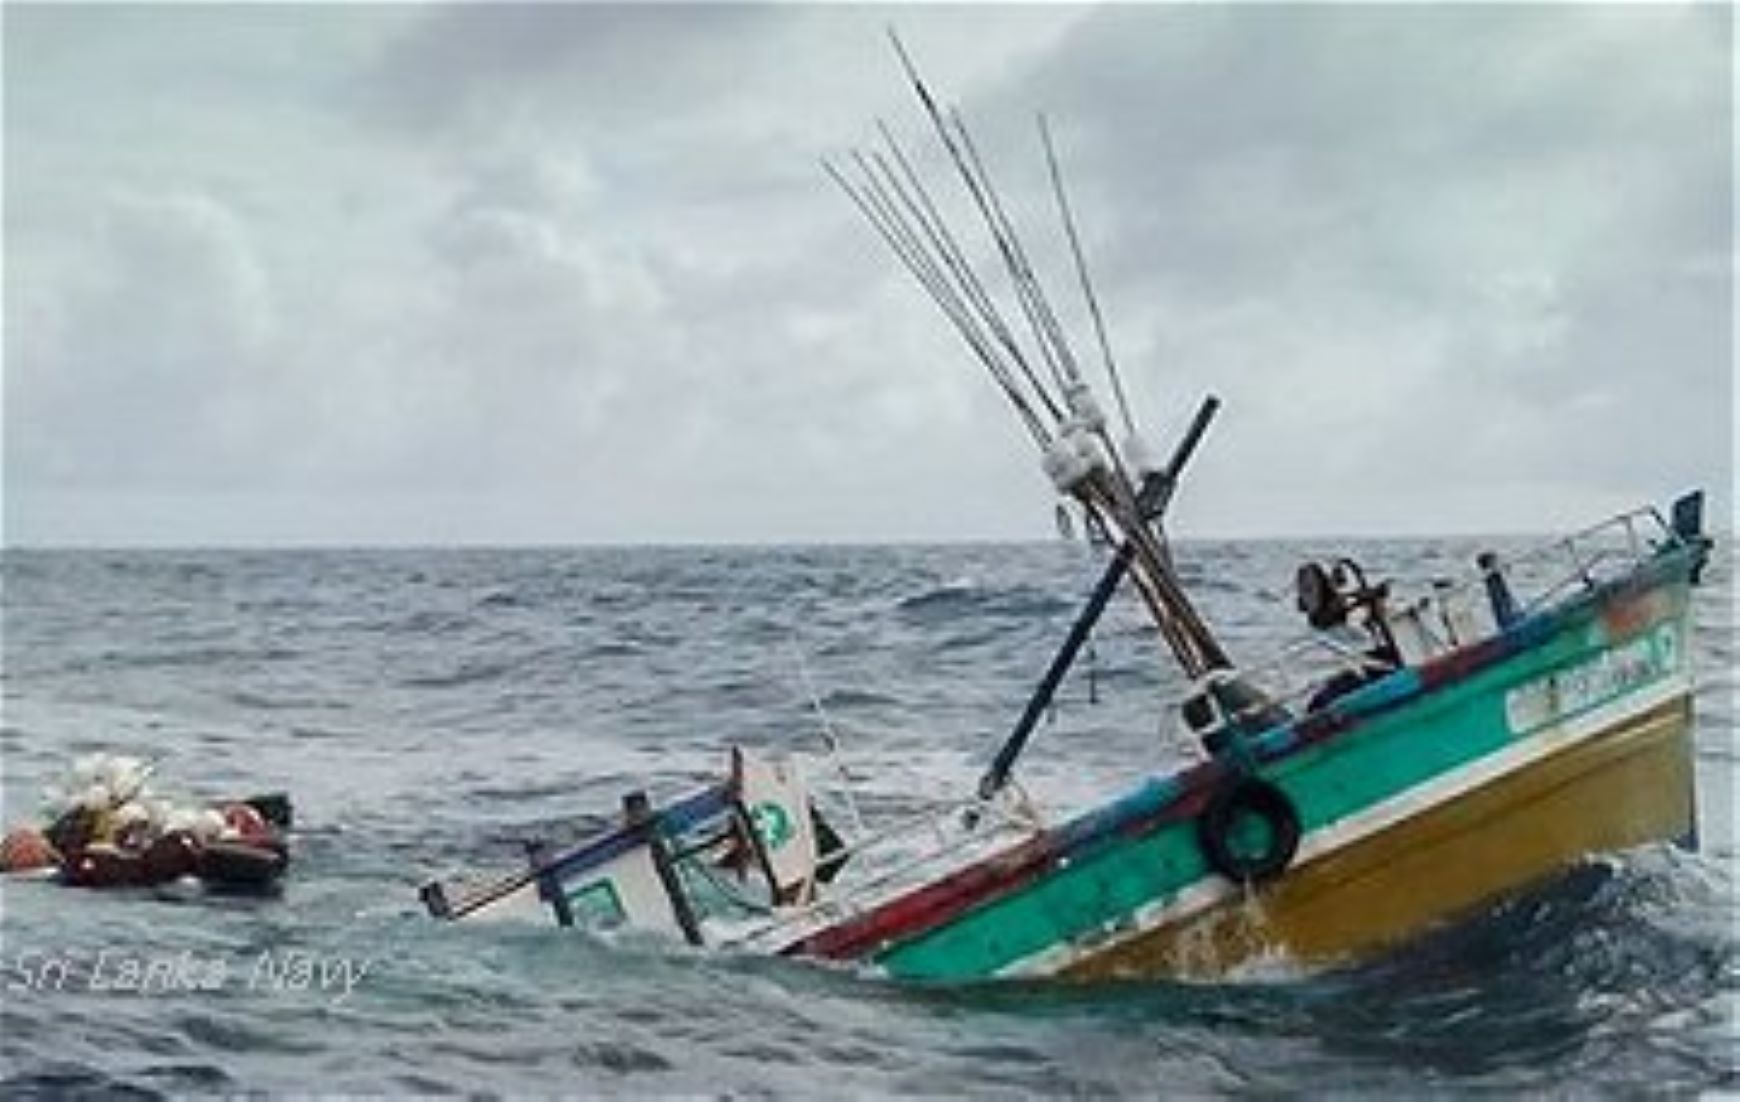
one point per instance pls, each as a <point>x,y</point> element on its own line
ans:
<point>597,905</point>
<point>1097,889</point>
<point>1394,752</point>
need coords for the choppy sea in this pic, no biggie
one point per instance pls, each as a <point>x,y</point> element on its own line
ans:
<point>429,710</point>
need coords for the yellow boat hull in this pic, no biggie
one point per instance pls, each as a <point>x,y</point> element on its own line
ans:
<point>1625,785</point>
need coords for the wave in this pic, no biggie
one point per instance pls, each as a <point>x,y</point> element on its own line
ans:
<point>71,1080</point>
<point>422,622</point>
<point>501,598</point>
<point>1607,948</point>
<point>268,702</point>
<point>319,734</point>
<point>964,598</point>
<point>471,672</point>
<point>193,656</point>
<point>850,699</point>
<point>460,738</point>
<point>611,648</point>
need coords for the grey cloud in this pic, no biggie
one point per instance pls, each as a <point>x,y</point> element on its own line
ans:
<point>467,66</point>
<point>571,272</point>
<point>1482,237</point>
<point>151,369</point>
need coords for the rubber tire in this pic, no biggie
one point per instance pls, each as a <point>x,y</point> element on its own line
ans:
<point>1249,796</point>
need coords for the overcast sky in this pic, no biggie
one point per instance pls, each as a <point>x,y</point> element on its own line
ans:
<point>389,274</point>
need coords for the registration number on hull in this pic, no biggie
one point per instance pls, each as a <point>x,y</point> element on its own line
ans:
<point>1610,674</point>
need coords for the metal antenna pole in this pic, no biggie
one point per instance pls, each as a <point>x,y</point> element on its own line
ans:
<point>998,774</point>
<point>1087,287</point>
<point>886,223</point>
<point>1043,319</point>
<point>965,281</point>
<point>965,273</point>
<point>976,185</point>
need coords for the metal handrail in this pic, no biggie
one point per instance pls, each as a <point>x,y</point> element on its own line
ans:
<point>1585,564</point>
<point>985,820</point>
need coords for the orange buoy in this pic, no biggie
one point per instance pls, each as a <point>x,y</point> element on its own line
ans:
<point>25,848</point>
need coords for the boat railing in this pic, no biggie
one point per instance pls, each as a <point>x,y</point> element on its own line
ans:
<point>1286,681</point>
<point>1544,573</point>
<point>1550,569</point>
<point>1595,554</point>
<point>907,845</point>
<point>1457,611</point>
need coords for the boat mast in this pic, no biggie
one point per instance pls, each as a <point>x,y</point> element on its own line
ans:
<point>1040,377</point>
<point>1156,493</point>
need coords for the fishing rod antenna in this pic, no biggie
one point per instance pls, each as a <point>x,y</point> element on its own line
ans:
<point>1067,214</point>
<point>1122,492</point>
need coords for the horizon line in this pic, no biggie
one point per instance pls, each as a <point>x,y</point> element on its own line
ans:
<point>752,544</point>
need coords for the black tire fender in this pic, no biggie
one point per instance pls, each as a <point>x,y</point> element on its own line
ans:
<point>1248,796</point>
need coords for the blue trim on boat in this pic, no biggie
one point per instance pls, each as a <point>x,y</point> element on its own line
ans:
<point>680,816</point>
<point>1150,799</point>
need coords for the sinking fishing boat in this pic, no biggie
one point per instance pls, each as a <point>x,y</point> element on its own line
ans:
<point>1410,760</point>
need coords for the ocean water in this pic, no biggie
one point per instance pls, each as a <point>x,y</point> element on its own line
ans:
<point>429,710</point>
